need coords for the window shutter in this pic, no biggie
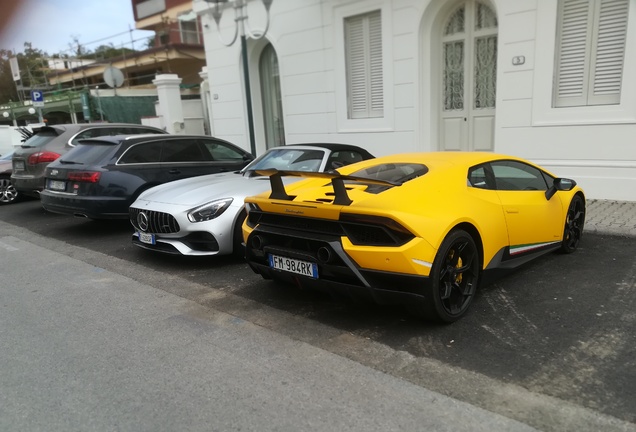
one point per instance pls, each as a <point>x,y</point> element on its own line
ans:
<point>363,50</point>
<point>356,66</point>
<point>574,36</point>
<point>591,52</point>
<point>609,52</point>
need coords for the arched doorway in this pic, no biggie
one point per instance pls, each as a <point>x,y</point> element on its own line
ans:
<point>468,77</point>
<point>271,98</point>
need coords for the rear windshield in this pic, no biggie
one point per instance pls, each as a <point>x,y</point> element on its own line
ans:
<point>92,153</point>
<point>392,172</point>
<point>39,139</point>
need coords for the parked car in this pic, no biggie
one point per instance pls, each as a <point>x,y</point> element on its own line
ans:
<point>417,229</point>
<point>203,215</point>
<point>48,143</point>
<point>101,177</point>
<point>8,193</point>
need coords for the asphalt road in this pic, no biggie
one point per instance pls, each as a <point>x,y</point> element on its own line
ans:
<point>551,345</point>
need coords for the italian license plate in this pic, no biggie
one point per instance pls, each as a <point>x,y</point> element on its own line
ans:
<point>146,238</point>
<point>291,265</point>
<point>57,185</point>
<point>18,165</point>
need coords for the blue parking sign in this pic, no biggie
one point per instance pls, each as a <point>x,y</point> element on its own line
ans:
<point>37,97</point>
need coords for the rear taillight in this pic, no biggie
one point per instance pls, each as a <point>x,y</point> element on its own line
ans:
<point>42,157</point>
<point>86,177</point>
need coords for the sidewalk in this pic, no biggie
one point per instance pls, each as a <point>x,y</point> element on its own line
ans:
<point>611,217</point>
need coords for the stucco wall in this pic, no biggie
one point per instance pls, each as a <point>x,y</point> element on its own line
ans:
<point>594,145</point>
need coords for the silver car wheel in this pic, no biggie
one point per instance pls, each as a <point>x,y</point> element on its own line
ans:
<point>8,193</point>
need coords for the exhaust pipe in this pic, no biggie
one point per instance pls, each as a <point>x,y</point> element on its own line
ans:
<point>257,242</point>
<point>324,254</point>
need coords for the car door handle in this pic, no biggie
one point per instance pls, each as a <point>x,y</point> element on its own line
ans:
<point>174,171</point>
<point>512,210</point>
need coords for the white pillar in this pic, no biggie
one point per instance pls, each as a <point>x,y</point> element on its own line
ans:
<point>170,102</point>
<point>206,101</point>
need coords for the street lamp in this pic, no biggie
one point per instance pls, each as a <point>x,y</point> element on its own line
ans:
<point>6,115</point>
<point>32,111</point>
<point>241,28</point>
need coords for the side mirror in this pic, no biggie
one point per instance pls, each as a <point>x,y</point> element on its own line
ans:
<point>560,184</point>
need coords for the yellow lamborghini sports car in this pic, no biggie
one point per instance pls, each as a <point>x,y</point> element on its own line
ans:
<point>420,229</point>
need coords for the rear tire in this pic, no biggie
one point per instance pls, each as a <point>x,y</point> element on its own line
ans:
<point>8,192</point>
<point>453,280</point>
<point>574,222</point>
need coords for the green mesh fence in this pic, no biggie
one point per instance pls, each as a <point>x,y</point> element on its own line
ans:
<point>124,109</point>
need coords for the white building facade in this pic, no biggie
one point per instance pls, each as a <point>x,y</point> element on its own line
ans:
<point>548,80</point>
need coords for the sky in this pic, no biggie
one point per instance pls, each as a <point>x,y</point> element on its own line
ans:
<point>51,25</point>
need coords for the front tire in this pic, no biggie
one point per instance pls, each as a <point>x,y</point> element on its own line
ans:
<point>237,243</point>
<point>574,222</point>
<point>454,278</point>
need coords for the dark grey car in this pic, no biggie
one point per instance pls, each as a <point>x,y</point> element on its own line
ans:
<point>50,142</point>
<point>101,177</point>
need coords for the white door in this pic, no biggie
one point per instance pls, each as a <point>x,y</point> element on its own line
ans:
<point>469,78</point>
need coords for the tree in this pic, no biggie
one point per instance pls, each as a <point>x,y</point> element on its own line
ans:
<point>8,91</point>
<point>33,68</point>
<point>76,47</point>
<point>150,42</point>
<point>103,52</point>
<point>33,71</point>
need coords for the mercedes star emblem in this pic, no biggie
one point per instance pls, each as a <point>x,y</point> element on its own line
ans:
<point>142,220</point>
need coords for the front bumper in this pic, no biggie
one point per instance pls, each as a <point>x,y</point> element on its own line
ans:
<point>193,244</point>
<point>175,234</point>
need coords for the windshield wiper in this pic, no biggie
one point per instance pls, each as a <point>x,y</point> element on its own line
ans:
<point>69,162</point>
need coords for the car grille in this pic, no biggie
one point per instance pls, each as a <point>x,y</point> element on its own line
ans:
<point>158,222</point>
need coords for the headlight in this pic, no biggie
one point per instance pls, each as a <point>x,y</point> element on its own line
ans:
<point>209,211</point>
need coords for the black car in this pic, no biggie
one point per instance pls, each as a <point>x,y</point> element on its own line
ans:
<point>48,143</point>
<point>101,177</point>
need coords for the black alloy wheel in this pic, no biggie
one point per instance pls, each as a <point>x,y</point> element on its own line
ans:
<point>8,192</point>
<point>454,278</point>
<point>574,222</point>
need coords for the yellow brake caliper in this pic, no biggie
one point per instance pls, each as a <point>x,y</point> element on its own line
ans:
<point>458,277</point>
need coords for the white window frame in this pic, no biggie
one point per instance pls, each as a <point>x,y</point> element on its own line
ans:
<point>367,124</point>
<point>182,18</point>
<point>544,113</point>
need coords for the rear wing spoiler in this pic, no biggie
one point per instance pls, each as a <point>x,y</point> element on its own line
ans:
<point>337,182</point>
